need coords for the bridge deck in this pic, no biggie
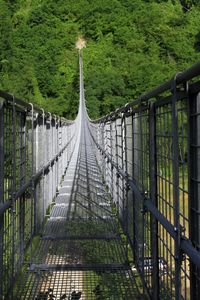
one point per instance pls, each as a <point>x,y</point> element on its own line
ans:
<point>81,254</point>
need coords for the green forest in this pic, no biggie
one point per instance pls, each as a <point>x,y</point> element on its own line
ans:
<point>132,46</point>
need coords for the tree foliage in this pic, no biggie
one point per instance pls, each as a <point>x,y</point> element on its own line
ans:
<point>132,46</point>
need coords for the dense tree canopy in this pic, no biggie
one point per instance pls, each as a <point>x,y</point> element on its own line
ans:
<point>132,46</point>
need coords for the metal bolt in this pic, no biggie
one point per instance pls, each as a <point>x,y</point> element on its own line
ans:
<point>176,229</point>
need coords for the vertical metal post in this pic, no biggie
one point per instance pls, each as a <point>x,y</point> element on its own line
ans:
<point>33,216</point>
<point>194,187</point>
<point>129,137</point>
<point>136,146</point>
<point>21,224</point>
<point>54,151</point>
<point>58,149</point>
<point>22,181</point>
<point>121,179</point>
<point>133,176</point>
<point>107,151</point>
<point>62,143</point>
<point>52,167</point>
<point>13,190</point>
<point>1,191</point>
<point>123,154</point>
<point>104,148</point>
<point>141,181</point>
<point>43,161</point>
<point>116,160</point>
<point>56,142</point>
<point>175,154</point>
<point>153,193</point>
<point>35,167</point>
<point>111,155</point>
<point>36,143</point>
<point>101,126</point>
<point>56,163</point>
<point>49,176</point>
<point>136,172</point>
<point>123,196</point>
<point>68,148</point>
<point>113,178</point>
<point>125,187</point>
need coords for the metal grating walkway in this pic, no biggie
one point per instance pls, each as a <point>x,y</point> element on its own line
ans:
<point>81,253</point>
<point>80,250</point>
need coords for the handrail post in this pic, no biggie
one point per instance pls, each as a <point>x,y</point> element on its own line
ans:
<point>50,172</point>
<point>104,147</point>
<point>22,182</point>
<point>125,185</point>
<point>117,175</point>
<point>43,163</point>
<point>33,220</point>
<point>35,168</point>
<point>194,188</point>
<point>1,191</point>
<point>134,128</point>
<point>111,154</point>
<point>12,210</point>
<point>175,167</point>
<point>153,193</point>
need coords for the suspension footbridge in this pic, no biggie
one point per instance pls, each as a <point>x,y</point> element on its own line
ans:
<point>105,209</point>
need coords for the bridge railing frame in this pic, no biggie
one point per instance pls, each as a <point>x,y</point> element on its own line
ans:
<point>35,149</point>
<point>151,164</point>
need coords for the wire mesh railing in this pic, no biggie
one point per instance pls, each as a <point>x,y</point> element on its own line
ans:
<point>80,252</point>
<point>149,153</point>
<point>35,148</point>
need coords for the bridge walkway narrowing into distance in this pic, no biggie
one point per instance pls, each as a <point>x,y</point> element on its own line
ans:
<point>81,253</point>
<point>124,222</point>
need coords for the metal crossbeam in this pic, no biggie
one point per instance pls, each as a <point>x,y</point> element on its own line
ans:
<point>79,267</point>
<point>107,237</point>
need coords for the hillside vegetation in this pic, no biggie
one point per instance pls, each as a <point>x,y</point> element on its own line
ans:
<point>132,46</point>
